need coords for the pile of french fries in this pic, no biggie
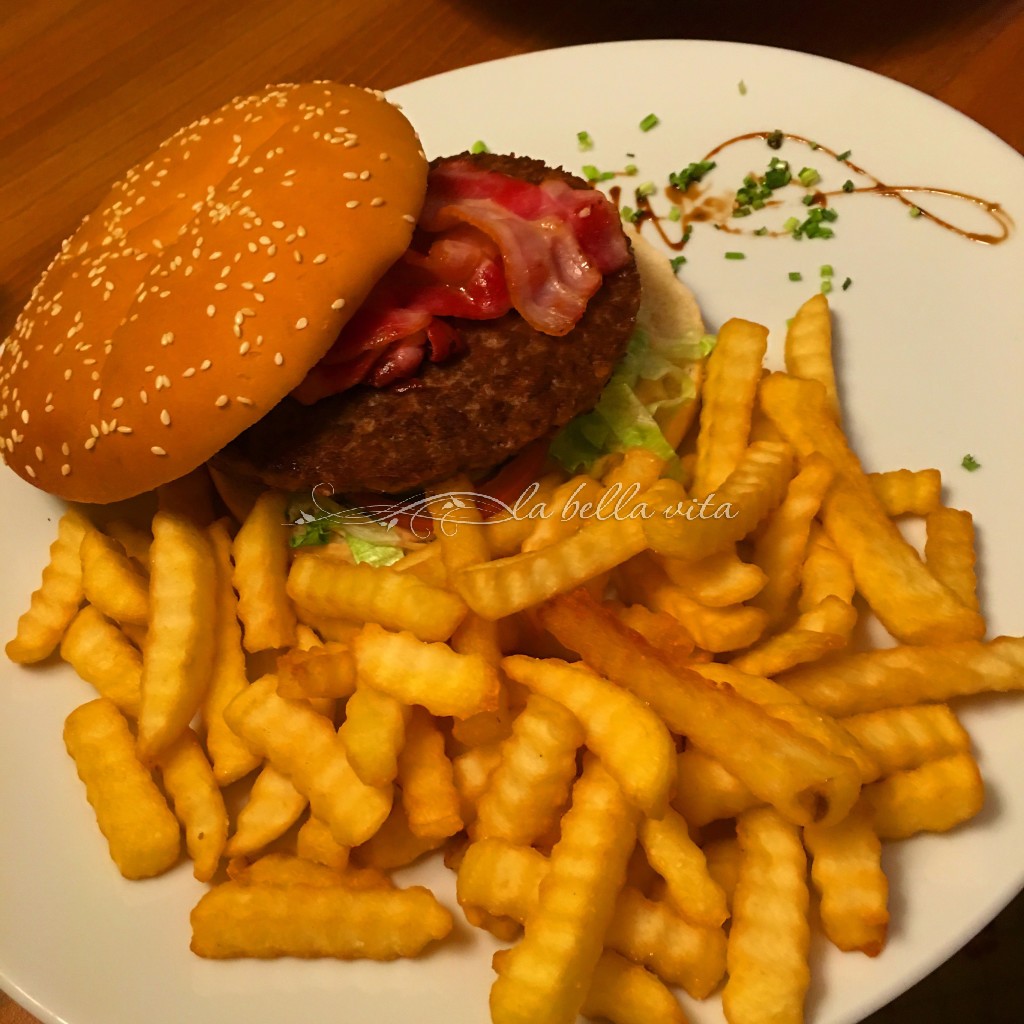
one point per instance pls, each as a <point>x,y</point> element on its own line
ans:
<point>628,733</point>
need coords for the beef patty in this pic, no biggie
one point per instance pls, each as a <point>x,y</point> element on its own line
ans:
<point>511,386</point>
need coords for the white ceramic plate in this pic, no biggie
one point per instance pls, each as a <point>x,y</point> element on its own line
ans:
<point>932,368</point>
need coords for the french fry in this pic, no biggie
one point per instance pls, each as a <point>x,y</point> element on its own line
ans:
<point>426,564</point>
<point>321,671</point>
<point>949,552</point>
<point>661,630</point>
<point>706,792</point>
<point>565,520</point>
<point>826,573</point>
<point>727,402</point>
<point>330,629</point>
<point>231,758</point>
<point>56,602</point>
<point>625,993</point>
<point>897,739</point>
<point>396,600</point>
<point>239,920</point>
<point>100,653</point>
<point>809,348</point>
<point>274,805</point>
<point>770,936</point>
<point>177,661</point>
<point>500,877</point>
<point>431,674</point>
<point>429,796</point>
<point>905,492</point>
<point>141,831</point>
<point>807,783</point>
<point>314,842</point>
<point>911,603</point>
<point>846,868</point>
<point>480,636</point>
<point>638,467</point>
<point>111,582</point>
<point>678,859</point>
<point>394,845</point>
<point>261,568</point>
<point>373,733</point>
<point>471,771</point>
<point>936,797</point>
<point>781,546</point>
<point>507,585</point>
<point>457,524</point>
<point>197,801</point>
<point>507,530</point>
<point>715,581</point>
<point>133,539</point>
<point>628,736</point>
<point>282,869</point>
<point>696,529</point>
<point>897,676</point>
<point>302,745</point>
<point>530,784</point>
<point>545,978</point>
<point>723,858</point>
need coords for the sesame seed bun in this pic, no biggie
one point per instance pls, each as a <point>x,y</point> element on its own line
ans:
<point>206,284</point>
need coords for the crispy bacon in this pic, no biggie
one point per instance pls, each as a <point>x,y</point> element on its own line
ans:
<point>486,243</point>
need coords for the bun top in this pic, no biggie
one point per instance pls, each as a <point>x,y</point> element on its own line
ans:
<point>208,281</point>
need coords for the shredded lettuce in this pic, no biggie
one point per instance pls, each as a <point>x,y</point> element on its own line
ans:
<point>621,419</point>
<point>321,520</point>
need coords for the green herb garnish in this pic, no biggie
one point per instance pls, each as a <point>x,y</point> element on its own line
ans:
<point>795,275</point>
<point>675,214</point>
<point>649,122</point>
<point>689,174</point>
<point>648,188</point>
<point>809,176</point>
<point>826,286</point>
<point>586,143</point>
<point>847,185</point>
<point>742,87</point>
<point>479,147</point>
<point>970,463</point>
<point>591,173</point>
<point>915,211</point>
<point>845,155</point>
<point>775,139</point>
<point>847,283</point>
<point>735,255</point>
<point>676,262</point>
<point>826,270</point>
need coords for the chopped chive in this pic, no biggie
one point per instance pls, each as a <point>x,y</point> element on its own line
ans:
<point>629,214</point>
<point>689,174</point>
<point>630,169</point>
<point>777,174</point>
<point>845,155</point>
<point>809,176</point>
<point>586,143</point>
<point>479,147</point>
<point>826,270</point>
<point>649,122</point>
<point>815,145</point>
<point>742,211</point>
<point>743,87</point>
<point>808,200</point>
<point>648,188</point>
<point>735,255</point>
<point>676,262</point>
<point>970,463</point>
<point>791,225</point>
<point>675,214</point>
<point>795,275</point>
<point>847,283</point>
<point>591,173</point>
<point>847,185</point>
<point>915,211</point>
<point>761,231</point>
<point>775,139</point>
<point>826,286</point>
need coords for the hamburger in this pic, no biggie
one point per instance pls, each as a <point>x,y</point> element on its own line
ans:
<point>288,291</point>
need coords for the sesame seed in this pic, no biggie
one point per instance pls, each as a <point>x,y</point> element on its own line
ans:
<point>96,394</point>
<point>267,278</point>
<point>352,204</point>
<point>39,453</point>
<point>65,470</point>
<point>338,304</point>
<point>222,400</point>
<point>377,201</point>
<point>205,364</point>
<point>243,348</point>
<point>157,450</point>
<point>211,310</point>
<point>220,286</point>
<point>144,397</point>
<point>384,156</point>
<point>90,443</point>
<point>301,323</point>
<point>351,175</point>
<point>24,415</point>
<point>320,258</point>
<point>409,217</point>
<point>300,231</point>
<point>167,338</point>
<point>165,417</point>
<point>279,359</point>
<point>31,472</point>
<point>65,449</point>
<point>271,250</point>
<point>243,400</point>
<point>93,430</point>
<point>190,372</point>
<point>364,175</point>
<point>117,403</point>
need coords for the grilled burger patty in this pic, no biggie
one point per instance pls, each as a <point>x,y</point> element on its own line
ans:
<point>511,386</point>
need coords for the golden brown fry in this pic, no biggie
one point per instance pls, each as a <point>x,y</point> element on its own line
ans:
<point>723,858</point>
<point>320,671</point>
<point>480,636</point>
<point>545,977</point>
<point>661,630</point>
<point>678,859</point>
<point>527,790</point>
<point>282,869</point>
<point>625,993</point>
<point>429,796</point>
<point>471,772</point>
<point>900,738</point>
<point>715,581</point>
<point>457,524</point>
<point>500,877</point>
<point>781,546</point>
<point>566,512</point>
<point>431,674</point>
<point>133,539</point>
<point>846,868</point>
<point>809,349</point>
<point>56,601</point>
<point>936,797</point>
<point>694,529</point>
<point>274,805</point>
<point>141,831</point>
<point>770,936</point>
<point>795,774</point>
<point>394,599</point>
<point>230,756</point>
<point>197,801</point>
<point>302,745</point>
<point>314,842</point>
<point>110,580</point>
<point>727,402</point>
<point>507,530</point>
<point>897,676</point>
<point>426,564</point>
<point>908,492</point>
<point>177,661</point>
<point>706,792</point>
<point>911,603</point>
<point>394,845</point>
<point>637,466</point>
<point>496,589</point>
<point>949,552</point>
<point>239,920</point>
<point>625,733</point>
<point>826,573</point>
<point>261,568</point>
<point>100,653</point>
<point>373,734</point>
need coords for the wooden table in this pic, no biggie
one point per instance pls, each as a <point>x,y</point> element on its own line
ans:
<point>87,88</point>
